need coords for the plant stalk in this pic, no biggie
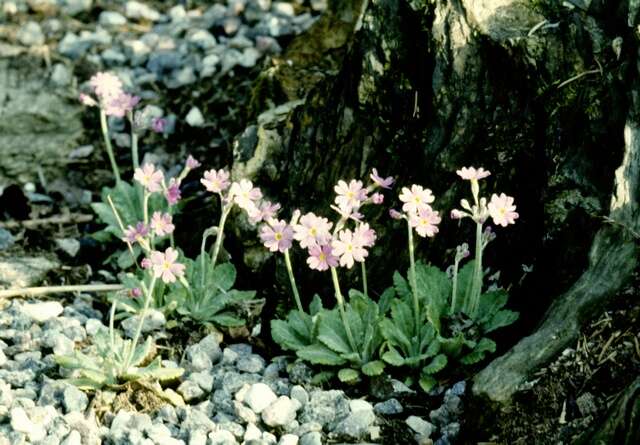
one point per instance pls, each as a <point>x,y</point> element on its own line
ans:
<point>148,296</point>
<point>476,282</point>
<point>454,292</point>
<point>292,280</point>
<point>45,290</point>
<point>363,269</point>
<point>220,235</point>
<point>107,142</point>
<point>343,315</point>
<point>413,280</point>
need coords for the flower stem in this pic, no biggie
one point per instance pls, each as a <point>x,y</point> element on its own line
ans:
<point>363,269</point>
<point>476,282</point>
<point>343,315</point>
<point>135,159</point>
<point>145,206</point>
<point>454,291</point>
<point>412,279</point>
<point>292,280</point>
<point>107,143</point>
<point>219,235</point>
<point>148,296</point>
<point>203,249</point>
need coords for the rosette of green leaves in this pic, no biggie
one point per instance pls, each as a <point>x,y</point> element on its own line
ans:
<point>162,300</point>
<point>128,201</point>
<point>105,364</point>
<point>210,297</point>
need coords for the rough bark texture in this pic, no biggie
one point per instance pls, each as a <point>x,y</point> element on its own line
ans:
<point>542,93</point>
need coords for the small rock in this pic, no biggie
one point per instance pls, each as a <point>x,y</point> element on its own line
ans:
<point>74,400</point>
<point>203,379</point>
<point>154,321</point>
<point>359,405</point>
<point>24,271</point>
<point>61,76</point>
<point>356,424</point>
<point>288,439</point>
<point>586,404</point>
<point>253,363</point>
<point>252,433</point>
<point>244,413</point>
<point>281,412</point>
<point>30,34</point>
<point>388,407</point>
<point>138,10</point>
<point>21,423</point>
<point>222,437</point>
<point>300,394</point>
<point>458,389</point>
<point>190,391</point>
<point>70,246</point>
<point>111,18</point>
<point>195,118</point>
<point>311,438</point>
<point>73,438</point>
<point>283,8</point>
<point>259,396</point>
<point>74,7</point>
<point>420,426</point>
<point>41,312</point>
<point>202,39</point>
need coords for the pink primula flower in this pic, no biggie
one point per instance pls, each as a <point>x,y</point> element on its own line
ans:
<point>106,86</point>
<point>312,230</point>
<point>87,100</point>
<point>158,124</point>
<point>349,248</point>
<point>473,174</point>
<point>164,265</point>
<point>415,198</point>
<point>245,195</point>
<point>264,212</point>
<point>502,210</point>
<point>350,196</point>
<point>425,222</point>
<point>277,235</point>
<point>192,163</point>
<point>172,193</point>
<point>149,177</point>
<point>162,224</point>
<point>458,214</point>
<point>216,181</point>
<point>365,234</point>
<point>321,257</point>
<point>135,234</point>
<point>385,183</point>
<point>377,198</point>
<point>120,105</point>
<point>394,214</point>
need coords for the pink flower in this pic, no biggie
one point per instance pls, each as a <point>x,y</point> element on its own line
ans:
<point>172,194</point>
<point>349,248</point>
<point>377,198</point>
<point>312,230</point>
<point>216,181</point>
<point>425,222</point>
<point>472,174</point>
<point>245,195</point>
<point>106,86</point>
<point>164,265</point>
<point>149,177</point>
<point>158,124</point>
<point>385,183</point>
<point>135,234</point>
<point>145,263</point>
<point>365,234</point>
<point>415,198</point>
<point>277,235</point>
<point>87,100</point>
<point>162,224</point>
<point>120,105</point>
<point>321,257</point>
<point>264,212</point>
<point>136,292</point>
<point>350,196</point>
<point>458,214</point>
<point>192,163</point>
<point>502,210</point>
<point>393,213</point>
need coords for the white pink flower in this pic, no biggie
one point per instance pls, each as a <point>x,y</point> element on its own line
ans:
<point>321,257</point>
<point>264,212</point>
<point>216,181</point>
<point>502,210</point>
<point>425,222</point>
<point>192,163</point>
<point>394,214</point>
<point>458,214</point>
<point>158,124</point>
<point>164,265</point>
<point>349,248</point>
<point>277,235</point>
<point>245,195</point>
<point>350,196</point>
<point>120,105</point>
<point>473,174</point>
<point>415,198</point>
<point>365,234</point>
<point>162,224</point>
<point>172,193</point>
<point>87,100</point>
<point>135,234</point>
<point>149,177</point>
<point>385,183</point>
<point>377,198</point>
<point>105,85</point>
<point>312,230</point>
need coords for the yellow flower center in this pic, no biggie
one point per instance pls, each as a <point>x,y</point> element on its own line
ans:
<point>322,256</point>
<point>278,236</point>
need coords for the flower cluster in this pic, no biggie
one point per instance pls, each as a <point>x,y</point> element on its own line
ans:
<point>109,95</point>
<point>153,180</point>
<point>416,209</point>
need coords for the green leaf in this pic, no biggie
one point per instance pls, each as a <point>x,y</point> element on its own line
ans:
<point>373,368</point>
<point>320,355</point>
<point>501,319</point>
<point>384,303</point>
<point>437,364</point>
<point>490,303</point>
<point>348,375</point>
<point>434,290</point>
<point>427,383</point>
<point>401,286</point>
<point>393,357</point>
<point>286,337</point>
<point>223,276</point>
<point>316,305</point>
<point>331,332</point>
<point>226,319</point>
<point>142,352</point>
<point>484,346</point>
<point>126,259</point>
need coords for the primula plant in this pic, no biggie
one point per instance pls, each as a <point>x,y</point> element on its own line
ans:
<point>421,322</point>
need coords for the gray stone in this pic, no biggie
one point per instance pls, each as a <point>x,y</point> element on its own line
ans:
<point>458,389</point>
<point>30,34</point>
<point>70,246</point>
<point>136,51</point>
<point>259,396</point>
<point>288,439</point>
<point>194,118</point>
<point>283,8</point>
<point>326,408</point>
<point>355,425</point>
<point>154,321</point>
<point>222,437</point>
<point>74,400</point>
<point>181,77</point>
<point>73,7</point>
<point>311,438</point>
<point>6,239</point>
<point>190,391</point>
<point>388,407</point>
<point>204,354</point>
<point>111,18</point>
<point>300,394</point>
<point>249,57</point>
<point>41,312</point>
<point>137,10</point>
<point>203,379</point>
<point>164,62</point>
<point>24,271</point>
<point>281,412</point>
<point>20,422</point>
<point>420,426</point>
<point>202,39</point>
<point>112,57</point>
<point>252,363</point>
<point>73,438</point>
